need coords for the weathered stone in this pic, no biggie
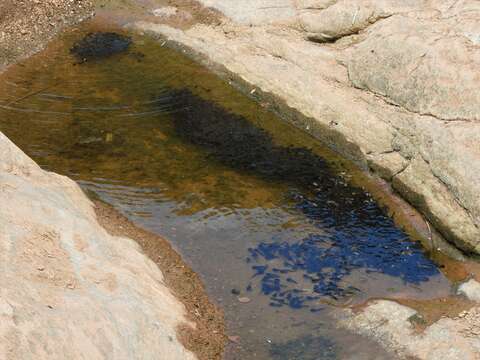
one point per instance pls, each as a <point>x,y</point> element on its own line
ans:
<point>419,67</point>
<point>313,4</point>
<point>338,20</point>
<point>70,290</point>
<point>165,11</point>
<point>453,155</point>
<point>391,324</point>
<point>326,21</point>
<point>255,12</point>
<point>424,191</point>
<point>471,289</point>
<point>387,165</point>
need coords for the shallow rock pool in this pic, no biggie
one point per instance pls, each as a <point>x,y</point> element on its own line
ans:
<point>270,219</point>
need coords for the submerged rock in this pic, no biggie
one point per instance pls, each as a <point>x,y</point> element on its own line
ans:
<point>100,45</point>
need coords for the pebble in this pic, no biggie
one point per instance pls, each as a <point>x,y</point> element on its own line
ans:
<point>244,300</point>
<point>235,292</point>
<point>234,339</point>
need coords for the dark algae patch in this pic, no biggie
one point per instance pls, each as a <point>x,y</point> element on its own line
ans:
<point>100,45</point>
<point>355,232</point>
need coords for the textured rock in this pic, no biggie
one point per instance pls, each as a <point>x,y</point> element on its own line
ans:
<point>69,290</point>
<point>420,66</point>
<point>326,21</point>
<point>390,324</point>
<point>388,165</point>
<point>423,190</point>
<point>471,289</point>
<point>255,12</point>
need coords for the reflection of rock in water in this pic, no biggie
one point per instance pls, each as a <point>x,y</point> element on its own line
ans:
<point>305,348</point>
<point>100,45</point>
<point>355,232</point>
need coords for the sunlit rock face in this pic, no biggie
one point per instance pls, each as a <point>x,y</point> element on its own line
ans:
<point>69,289</point>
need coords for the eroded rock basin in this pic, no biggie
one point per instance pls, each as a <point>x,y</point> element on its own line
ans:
<point>280,232</point>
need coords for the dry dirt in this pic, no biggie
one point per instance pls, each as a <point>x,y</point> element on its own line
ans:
<point>27,25</point>
<point>181,14</point>
<point>208,339</point>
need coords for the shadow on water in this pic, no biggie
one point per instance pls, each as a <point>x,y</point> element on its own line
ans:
<point>356,231</point>
<point>251,202</point>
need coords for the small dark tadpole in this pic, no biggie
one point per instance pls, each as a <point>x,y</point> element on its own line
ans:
<point>100,45</point>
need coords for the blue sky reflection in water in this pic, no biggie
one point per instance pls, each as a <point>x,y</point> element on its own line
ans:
<point>354,232</point>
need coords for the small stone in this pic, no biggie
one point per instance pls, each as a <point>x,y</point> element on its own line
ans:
<point>470,289</point>
<point>234,339</point>
<point>235,292</point>
<point>166,11</point>
<point>244,300</point>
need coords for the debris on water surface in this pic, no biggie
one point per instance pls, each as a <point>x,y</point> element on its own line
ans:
<point>354,232</point>
<point>100,45</point>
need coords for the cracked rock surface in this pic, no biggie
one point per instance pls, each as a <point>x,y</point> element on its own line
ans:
<point>391,84</point>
